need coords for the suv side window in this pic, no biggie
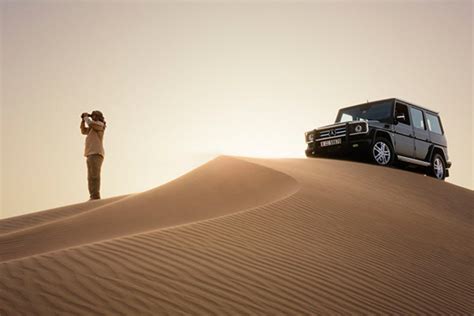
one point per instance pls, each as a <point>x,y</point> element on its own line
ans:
<point>402,109</point>
<point>417,118</point>
<point>433,124</point>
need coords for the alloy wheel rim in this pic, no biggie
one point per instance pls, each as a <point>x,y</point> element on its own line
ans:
<point>438,168</point>
<point>381,153</point>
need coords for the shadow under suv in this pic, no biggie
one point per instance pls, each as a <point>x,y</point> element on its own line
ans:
<point>386,131</point>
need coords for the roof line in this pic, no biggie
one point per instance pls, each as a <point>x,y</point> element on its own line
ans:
<point>393,99</point>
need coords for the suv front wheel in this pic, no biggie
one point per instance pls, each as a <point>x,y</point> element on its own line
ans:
<point>438,167</point>
<point>382,152</point>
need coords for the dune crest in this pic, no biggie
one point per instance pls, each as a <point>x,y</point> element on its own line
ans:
<point>220,187</point>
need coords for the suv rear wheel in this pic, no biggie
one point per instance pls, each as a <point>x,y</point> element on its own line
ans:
<point>382,152</point>
<point>438,167</point>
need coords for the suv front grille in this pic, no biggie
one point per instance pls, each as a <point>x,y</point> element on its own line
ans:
<point>333,132</point>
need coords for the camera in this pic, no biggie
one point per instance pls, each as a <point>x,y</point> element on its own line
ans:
<point>83,115</point>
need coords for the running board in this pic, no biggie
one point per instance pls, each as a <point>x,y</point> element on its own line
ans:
<point>414,161</point>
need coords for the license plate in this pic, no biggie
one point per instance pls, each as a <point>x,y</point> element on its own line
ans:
<point>330,142</point>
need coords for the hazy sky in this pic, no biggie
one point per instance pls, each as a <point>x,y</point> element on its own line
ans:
<point>182,82</point>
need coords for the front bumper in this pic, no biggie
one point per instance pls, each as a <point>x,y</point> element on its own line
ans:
<point>350,145</point>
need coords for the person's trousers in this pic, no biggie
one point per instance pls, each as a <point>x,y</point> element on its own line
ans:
<point>94,164</point>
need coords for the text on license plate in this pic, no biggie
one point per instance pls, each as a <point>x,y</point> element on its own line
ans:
<point>330,142</point>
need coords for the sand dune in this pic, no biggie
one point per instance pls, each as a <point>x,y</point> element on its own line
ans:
<point>250,236</point>
<point>218,188</point>
<point>33,219</point>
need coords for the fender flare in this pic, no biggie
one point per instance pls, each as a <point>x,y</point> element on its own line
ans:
<point>386,134</point>
<point>431,151</point>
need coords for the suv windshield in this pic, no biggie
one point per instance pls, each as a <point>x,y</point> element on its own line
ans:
<point>371,111</point>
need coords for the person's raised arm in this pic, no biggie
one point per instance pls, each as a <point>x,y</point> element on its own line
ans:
<point>84,129</point>
<point>96,125</point>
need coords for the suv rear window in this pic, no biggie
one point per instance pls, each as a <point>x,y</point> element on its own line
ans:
<point>433,123</point>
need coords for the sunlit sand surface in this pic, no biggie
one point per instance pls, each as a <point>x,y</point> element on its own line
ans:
<point>250,236</point>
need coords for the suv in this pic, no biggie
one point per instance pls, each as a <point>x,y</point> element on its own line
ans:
<point>387,131</point>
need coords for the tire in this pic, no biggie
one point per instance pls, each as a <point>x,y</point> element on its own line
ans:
<point>438,167</point>
<point>381,152</point>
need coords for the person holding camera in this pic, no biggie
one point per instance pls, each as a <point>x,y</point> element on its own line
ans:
<point>94,149</point>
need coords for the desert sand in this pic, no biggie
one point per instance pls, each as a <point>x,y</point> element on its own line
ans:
<point>250,236</point>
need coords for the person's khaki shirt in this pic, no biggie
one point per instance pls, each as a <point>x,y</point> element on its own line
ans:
<point>95,136</point>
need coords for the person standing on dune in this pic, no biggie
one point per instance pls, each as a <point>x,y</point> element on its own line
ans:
<point>94,149</point>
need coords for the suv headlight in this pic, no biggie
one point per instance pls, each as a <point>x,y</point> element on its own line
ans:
<point>358,128</point>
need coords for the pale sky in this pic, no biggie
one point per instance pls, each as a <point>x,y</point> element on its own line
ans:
<point>182,82</point>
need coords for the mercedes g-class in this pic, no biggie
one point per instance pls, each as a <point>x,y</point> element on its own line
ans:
<point>386,131</point>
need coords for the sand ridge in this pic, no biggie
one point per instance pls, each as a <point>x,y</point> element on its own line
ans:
<point>347,238</point>
<point>20,222</point>
<point>198,195</point>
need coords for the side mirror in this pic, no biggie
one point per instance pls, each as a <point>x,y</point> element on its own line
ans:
<point>401,117</point>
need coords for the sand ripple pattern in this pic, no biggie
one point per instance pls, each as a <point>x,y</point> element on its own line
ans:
<point>16,223</point>
<point>310,253</point>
